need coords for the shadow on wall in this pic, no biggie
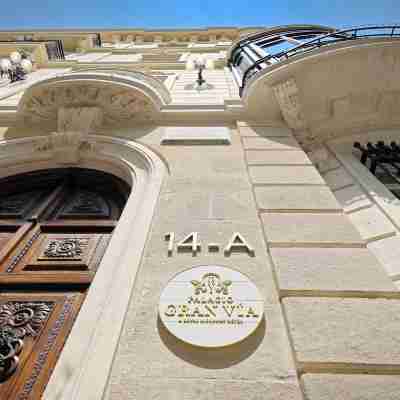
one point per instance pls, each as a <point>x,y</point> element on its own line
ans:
<point>215,358</point>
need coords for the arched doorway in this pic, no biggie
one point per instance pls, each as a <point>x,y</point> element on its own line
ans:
<point>54,228</point>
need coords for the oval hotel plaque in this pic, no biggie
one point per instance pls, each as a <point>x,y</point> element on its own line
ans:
<point>211,306</point>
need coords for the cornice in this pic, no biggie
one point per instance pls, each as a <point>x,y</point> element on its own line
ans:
<point>131,29</point>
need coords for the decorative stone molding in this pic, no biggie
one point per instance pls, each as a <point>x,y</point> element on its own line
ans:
<point>287,96</point>
<point>319,157</point>
<point>100,320</point>
<point>355,113</point>
<point>74,124</point>
<point>118,105</point>
<point>145,79</point>
<point>79,119</point>
<point>355,104</point>
<point>65,147</point>
<point>122,96</point>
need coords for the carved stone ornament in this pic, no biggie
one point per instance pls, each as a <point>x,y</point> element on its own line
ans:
<point>211,306</point>
<point>66,147</point>
<point>117,104</point>
<point>18,320</point>
<point>356,112</point>
<point>79,119</point>
<point>287,96</point>
<point>319,157</point>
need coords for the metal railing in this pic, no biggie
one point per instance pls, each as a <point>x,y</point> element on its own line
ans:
<point>258,43</point>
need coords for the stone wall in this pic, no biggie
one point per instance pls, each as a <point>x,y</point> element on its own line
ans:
<point>330,310</point>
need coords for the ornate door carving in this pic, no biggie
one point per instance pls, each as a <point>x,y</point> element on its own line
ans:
<point>54,228</point>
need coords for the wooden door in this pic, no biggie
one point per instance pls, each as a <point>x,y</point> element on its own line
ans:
<point>54,228</point>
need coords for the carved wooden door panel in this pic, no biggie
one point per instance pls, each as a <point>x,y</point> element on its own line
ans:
<point>54,229</point>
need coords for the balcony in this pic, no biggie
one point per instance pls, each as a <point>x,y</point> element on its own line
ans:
<point>322,82</point>
<point>261,50</point>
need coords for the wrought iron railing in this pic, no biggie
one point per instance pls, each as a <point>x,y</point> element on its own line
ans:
<point>250,54</point>
<point>380,155</point>
<point>383,160</point>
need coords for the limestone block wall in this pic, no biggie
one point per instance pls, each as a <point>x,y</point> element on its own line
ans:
<point>332,320</point>
<point>340,308</point>
<point>208,191</point>
<point>377,227</point>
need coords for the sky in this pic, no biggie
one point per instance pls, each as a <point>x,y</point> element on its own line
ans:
<point>151,14</point>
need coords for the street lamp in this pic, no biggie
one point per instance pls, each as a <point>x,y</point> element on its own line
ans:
<point>200,64</point>
<point>15,67</point>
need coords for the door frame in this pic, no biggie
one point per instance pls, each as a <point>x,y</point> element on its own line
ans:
<point>85,363</point>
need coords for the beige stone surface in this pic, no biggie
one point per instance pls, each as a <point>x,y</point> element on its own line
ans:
<point>265,131</point>
<point>147,350</point>
<point>184,90</point>
<point>338,178</point>
<point>205,389</point>
<point>208,191</point>
<point>121,58</point>
<point>351,387</point>
<point>272,157</point>
<point>223,167</point>
<point>165,389</point>
<point>275,143</point>
<point>387,251</point>
<point>295,198</point>
<point>196,135</point>
<point>258,390</point>
<point>372,223</point>
<point>310,229</point>
<point>352,198</point>
<point>325,270</point>
<point>252,123</point>
<point>365,332</point>
<point>329,163</point>
<point>32,78</point>
<point>208,204</point>
<point>257,268</point>
<point>271,174</point>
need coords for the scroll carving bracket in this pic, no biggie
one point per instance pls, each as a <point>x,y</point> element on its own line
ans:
<point>71,140</point>
<point>288,97</point>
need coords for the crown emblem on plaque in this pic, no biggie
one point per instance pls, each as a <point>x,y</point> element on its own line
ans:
<point>211,284</point>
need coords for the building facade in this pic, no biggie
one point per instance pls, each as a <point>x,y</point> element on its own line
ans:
<point>200,214</point>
